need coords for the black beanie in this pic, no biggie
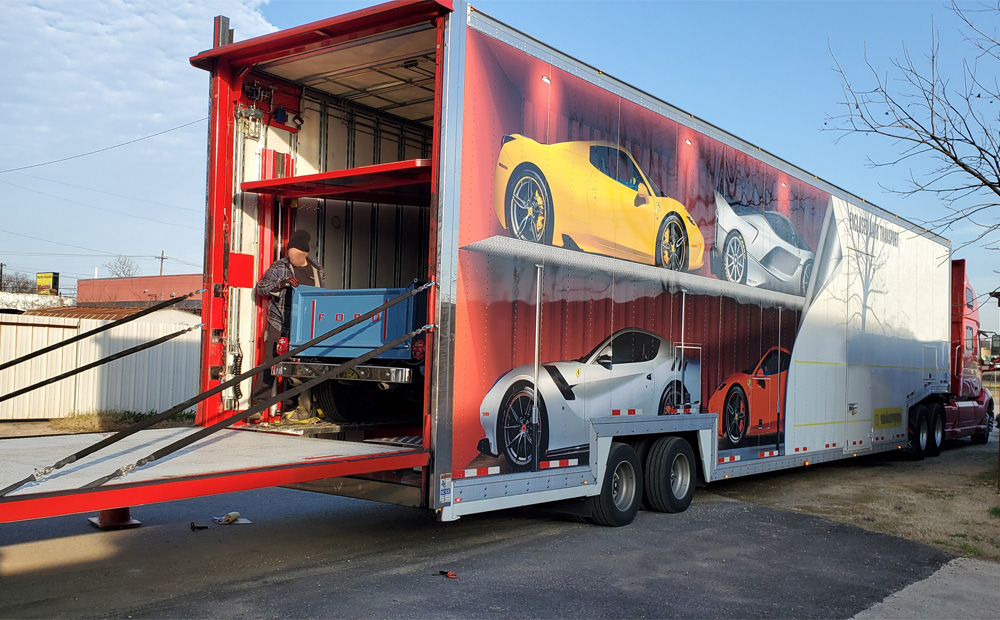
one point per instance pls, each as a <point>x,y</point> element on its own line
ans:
<point>299,240</point>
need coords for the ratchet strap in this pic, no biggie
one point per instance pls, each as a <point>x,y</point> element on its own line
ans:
<point>243,415</point>
<point>146,423</point>
<point>138,315</point>
<point>100,362</point>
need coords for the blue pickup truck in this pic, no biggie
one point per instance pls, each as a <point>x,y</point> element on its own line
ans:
<point>388,388</point>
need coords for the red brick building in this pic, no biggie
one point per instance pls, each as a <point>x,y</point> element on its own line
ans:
<point>138,291</point>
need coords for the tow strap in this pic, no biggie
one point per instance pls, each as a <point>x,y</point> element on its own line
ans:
<point>243,415</point>
<point>100,362</point>
<point>97,330</point>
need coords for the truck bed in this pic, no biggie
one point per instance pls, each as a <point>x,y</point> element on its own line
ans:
<point>231,460</point>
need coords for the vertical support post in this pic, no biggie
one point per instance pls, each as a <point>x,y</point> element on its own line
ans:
<point>539,273</point>
<point>223,89</point>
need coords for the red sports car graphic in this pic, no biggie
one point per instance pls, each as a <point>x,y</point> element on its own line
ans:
<point>748,402</point>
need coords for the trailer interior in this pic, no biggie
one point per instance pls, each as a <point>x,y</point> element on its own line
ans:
<point>330,127</point>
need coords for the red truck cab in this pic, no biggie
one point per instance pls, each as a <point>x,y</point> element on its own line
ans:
<point>969,413</point>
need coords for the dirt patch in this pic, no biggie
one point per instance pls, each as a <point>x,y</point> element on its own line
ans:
<point>103,421</point>
<point>950,501</point>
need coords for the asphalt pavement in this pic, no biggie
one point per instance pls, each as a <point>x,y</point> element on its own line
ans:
<point>311,555</point>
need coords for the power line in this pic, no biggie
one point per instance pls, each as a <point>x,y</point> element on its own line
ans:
<point>101,191</point>
<point>68,245</point>
<point>72,255</point>
<point>139,217</point>
<point>107,148</point>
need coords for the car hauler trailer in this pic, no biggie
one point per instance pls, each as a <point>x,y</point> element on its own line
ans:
<point>607,299</point>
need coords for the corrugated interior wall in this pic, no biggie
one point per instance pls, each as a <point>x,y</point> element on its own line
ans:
<point>154,379</point>
<point>362,245</point>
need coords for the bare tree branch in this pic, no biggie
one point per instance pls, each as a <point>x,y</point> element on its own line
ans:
<point>948,130</point>
<point>122,267</point>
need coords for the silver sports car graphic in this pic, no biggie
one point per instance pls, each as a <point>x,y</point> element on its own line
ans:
<point>759,248</point>
<point>632,372</point>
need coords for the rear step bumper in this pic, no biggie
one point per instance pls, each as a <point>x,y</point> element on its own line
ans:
<point>381,374</point>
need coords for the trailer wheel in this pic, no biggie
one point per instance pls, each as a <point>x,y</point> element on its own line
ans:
<point>670,468</point>
<point>675,394</point>
<point>935,417</point>
<point>919,432</point>
<point>621,492</point>
<point>641,448</point>
<point>529,206</point>
<point>736,415</point>
<point>522,442</point>
<point>734,258</point>
<point>672,244</point>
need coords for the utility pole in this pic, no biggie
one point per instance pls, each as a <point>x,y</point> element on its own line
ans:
<point>1,276</point>
<point>162,258</point>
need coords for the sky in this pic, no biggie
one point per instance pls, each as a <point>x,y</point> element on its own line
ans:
<point>83,75</point>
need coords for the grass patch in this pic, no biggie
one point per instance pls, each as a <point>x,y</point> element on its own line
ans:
<point>114,420</point>
<point>970,549</point>
<point>995,512</point>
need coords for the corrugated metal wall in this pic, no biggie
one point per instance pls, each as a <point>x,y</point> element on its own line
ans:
<point>154,379</point>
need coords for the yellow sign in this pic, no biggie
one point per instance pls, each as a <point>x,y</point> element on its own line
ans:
<point>47,283</point>
<point>890,417</point>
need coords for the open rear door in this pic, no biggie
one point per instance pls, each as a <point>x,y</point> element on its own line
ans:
<point>232,460</point>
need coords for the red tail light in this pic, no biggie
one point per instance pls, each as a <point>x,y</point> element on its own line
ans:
<point>419,349</point>
<point>282,346</point>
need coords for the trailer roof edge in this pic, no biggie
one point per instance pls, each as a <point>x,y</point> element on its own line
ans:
<point>323,32</point>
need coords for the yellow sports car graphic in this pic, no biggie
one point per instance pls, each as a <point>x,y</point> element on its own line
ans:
<point>592,196</point>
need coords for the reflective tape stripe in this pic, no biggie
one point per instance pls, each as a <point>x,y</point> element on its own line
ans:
<point>475,473</point>
<point>729,459</point>
<point>562,463</point>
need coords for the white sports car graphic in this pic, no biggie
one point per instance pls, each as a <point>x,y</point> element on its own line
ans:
<point>632,372</point>
<point>760,248</point>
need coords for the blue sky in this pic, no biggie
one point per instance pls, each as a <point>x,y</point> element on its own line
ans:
<point>81,76</point>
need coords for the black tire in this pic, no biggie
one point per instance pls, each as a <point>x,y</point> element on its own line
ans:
<point>672,244</point>
<point>736,415</point>
<point>521,442</point>
<point>935,417</point>
<point>670,396</point>
<point>641,448</point>
<point>329,398</point>
<point>806,276</point>
<point>734,258</point>
<point>621,491</point>
<point>919,432</point>
<point>983,437</point>
<point>670,475</point>
<point>528,206</point>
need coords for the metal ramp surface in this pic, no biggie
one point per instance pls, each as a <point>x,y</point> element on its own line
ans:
<point>230,460</point>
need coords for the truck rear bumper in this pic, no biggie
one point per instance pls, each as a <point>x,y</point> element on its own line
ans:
<point>381,374</point>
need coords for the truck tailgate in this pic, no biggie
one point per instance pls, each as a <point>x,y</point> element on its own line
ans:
<point>231,460</point>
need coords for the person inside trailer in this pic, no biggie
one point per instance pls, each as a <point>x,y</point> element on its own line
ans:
<point>276,285</point>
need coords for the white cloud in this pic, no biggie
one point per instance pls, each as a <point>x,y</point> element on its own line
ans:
<point>79,76</point>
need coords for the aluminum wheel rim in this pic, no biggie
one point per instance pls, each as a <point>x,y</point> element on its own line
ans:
<point>735,414</point>
<point>680,475</point>
<point>938,431</point>
<point>623,486</point>
<point>735,259</point>
<point>517,433</point>
<point>528,210</point>
<point>673,245</point>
